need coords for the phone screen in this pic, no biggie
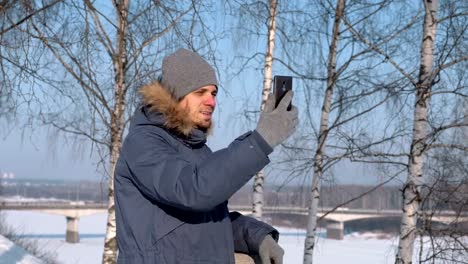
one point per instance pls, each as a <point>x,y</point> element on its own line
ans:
<point>282,84</point>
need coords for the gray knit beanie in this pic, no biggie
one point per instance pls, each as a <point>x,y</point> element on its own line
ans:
<point>185,71</point>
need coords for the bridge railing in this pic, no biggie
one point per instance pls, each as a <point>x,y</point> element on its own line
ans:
<point>24,205</point>
<point>12,205</point>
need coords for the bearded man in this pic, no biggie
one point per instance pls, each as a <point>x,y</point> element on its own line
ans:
<point>171,190</point>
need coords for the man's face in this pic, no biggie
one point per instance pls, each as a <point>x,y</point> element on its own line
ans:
<point>200,104</point>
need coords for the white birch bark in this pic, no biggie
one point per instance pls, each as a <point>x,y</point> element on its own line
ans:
<point>412,188</point>
<point>309,243</point>
<point>117,126</point>
<point>257,196</point>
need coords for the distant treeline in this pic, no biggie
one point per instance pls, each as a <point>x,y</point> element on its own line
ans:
<point>360,196</point>
<point>387,197</point>
<point>79,190</point>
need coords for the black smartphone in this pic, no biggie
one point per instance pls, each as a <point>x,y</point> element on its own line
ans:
<point>282,84</point>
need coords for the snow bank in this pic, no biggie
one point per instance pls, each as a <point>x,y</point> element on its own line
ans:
<point>10,253</point>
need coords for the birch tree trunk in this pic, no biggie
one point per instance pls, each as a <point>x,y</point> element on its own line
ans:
<point>412,188</point>
<point>85,49</point>
<point>117,125</point>
<point>257,196</point>
<point>309,243</point>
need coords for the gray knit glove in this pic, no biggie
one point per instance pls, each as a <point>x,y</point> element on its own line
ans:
<point>270,251</point>
<point>276,125</point>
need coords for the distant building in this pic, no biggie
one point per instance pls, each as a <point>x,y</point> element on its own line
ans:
<point>8,175</point>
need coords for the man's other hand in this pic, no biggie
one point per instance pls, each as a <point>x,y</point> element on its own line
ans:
<point>270,252</point>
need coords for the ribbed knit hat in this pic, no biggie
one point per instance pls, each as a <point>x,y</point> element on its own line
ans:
<point>185,71</point>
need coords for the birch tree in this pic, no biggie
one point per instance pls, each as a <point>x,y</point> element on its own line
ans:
<point>309,243</point>
<point>426,131</point>
<point>258,199</point>
<point>412,188</point>
<point>96,58</point>
<point>293,48</point>
<point>422,134</point>
<point>360,93</point>
<point>384,45</point>
<point>261,14</point>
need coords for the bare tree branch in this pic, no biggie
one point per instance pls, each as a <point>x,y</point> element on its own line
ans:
<point>136,53</point>
<point>101,32</point>
<point>451,146</point>
<point>97,95</point>
<point>378,50</point>
<point>26,18</point>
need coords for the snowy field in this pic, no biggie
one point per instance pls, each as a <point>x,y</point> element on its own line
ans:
<point>49,231</point>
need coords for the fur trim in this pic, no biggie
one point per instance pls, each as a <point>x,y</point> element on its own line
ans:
<point>160,100</point>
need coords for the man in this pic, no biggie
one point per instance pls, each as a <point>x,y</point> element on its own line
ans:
<point>171,190</point>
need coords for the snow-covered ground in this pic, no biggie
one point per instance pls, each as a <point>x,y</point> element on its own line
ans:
<point>49,231</point>
<point>10,253</point>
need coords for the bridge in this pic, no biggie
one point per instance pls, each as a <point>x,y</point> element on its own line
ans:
<point>71,210</point>
<point>335,219</point>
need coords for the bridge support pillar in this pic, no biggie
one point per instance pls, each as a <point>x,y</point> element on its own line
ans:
<point>335,230</point>
<point>72,235</point>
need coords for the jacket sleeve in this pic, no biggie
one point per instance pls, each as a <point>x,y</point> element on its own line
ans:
<point>248,233</point>
<point>164,176</point>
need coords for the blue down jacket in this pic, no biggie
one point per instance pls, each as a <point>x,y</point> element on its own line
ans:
<point>171,190</point>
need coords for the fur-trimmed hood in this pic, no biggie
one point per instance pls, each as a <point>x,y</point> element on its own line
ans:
<point>158,99</point>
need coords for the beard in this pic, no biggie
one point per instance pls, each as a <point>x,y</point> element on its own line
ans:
<point>203,125</point>
<point>199,121</point>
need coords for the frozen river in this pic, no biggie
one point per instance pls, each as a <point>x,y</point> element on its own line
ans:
<point>49,231</point>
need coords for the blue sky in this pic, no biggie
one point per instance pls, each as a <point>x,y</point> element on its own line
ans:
<point>39,154</point>
<point>36,157</point>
